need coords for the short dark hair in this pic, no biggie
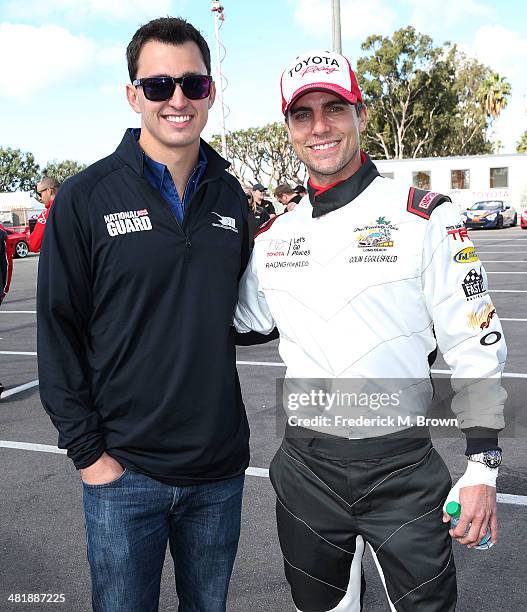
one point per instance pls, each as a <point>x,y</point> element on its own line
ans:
<point>282,190</point>
<point>49,182</point>
<point>168,30</point>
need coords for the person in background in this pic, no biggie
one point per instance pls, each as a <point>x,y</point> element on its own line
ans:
<point>6,270</point>
<point>257,215</point>
<point>259,192</point>
<point>46,190</point>
<point>287,196</point>
<point>6,265</point>
<point>301,190</point>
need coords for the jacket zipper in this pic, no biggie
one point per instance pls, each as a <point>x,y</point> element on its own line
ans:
<point>188,242</point>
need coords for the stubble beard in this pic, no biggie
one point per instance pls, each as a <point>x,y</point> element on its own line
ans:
<point>326,171</point>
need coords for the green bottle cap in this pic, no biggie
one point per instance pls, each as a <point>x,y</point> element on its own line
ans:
<point>453,508</point>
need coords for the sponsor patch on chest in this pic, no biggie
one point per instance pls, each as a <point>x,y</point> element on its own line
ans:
<point>376,237</point>
<point>127,222</point>
<point>292,253</point>
<point>227,223</point>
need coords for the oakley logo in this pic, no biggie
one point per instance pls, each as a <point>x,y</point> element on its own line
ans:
<point>490,339</point>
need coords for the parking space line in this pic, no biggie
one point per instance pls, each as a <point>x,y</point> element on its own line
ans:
<point>279,364</point>
<point>261,472</point>
<point>506,498</point>
<point>506,272</point>
<point>504,375</point>
<point>506,252</point>
<point>18,353</point>
<point>504,261</point>
<point>503,498</point>
<point>41,448</point>
<point>19,389</point>
<point>18,312</point>
<point>519,320</point>
<point>274,364</point>
<point>507,290</point>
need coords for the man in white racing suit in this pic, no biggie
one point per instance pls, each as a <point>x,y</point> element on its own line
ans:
<point>364,280</point>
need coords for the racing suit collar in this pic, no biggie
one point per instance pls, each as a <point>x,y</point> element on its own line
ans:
<point>343,192</point>
<point>132,155</point>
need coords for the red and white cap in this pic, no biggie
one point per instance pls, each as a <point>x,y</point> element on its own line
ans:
<point>319,71</point>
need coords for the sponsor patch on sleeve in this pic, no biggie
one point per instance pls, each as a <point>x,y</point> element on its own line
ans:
<point>466,255</point>
<point>473,285</point>
<point>422,203</point>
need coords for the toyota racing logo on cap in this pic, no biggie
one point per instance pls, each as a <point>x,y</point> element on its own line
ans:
<point>319,71</point>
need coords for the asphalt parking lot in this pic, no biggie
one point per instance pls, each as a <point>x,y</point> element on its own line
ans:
<point>41,524</point>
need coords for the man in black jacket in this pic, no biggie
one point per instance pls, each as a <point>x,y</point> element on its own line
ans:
<point>259,192</point>
<point>137,289</point>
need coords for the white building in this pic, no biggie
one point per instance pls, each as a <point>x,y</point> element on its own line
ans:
<point>465,179</point>
<point>17,207</point>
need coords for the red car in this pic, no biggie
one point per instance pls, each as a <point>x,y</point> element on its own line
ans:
<point>17,238</point>
<point>523,220</point>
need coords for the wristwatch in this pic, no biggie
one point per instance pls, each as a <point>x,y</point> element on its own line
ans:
<point>491,458</point>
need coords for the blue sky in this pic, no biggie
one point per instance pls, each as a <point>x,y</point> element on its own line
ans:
<point>64,71</point>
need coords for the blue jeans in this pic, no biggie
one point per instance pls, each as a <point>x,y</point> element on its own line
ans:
<point>128,524</point>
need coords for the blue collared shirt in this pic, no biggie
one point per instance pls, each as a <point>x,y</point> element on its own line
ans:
<point>159,177</point>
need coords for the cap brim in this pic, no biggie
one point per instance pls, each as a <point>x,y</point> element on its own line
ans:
<point>346,95</point>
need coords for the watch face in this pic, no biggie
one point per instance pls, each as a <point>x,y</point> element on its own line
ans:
<point>492,458</point>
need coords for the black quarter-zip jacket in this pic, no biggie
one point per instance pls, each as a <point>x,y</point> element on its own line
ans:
<point>135,341</point>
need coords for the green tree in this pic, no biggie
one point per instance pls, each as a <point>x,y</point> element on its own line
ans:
<point>425,100</point>
<point>521,146</point>
<point>494,94</point>
<point>63,170</point>
<point>466,125</point>
<point>18,170</point>
<point>262,154</point>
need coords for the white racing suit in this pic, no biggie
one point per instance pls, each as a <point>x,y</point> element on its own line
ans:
<point>364,281</point>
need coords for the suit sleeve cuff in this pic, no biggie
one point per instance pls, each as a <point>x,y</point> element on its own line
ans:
<point>480,439</point>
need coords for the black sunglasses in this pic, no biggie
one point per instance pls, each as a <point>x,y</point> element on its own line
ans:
<point>161,88</point>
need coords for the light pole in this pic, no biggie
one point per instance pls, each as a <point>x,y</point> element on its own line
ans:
<point>336,39</point>
<point>217,9</point>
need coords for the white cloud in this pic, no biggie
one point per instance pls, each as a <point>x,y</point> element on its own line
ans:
<point>434,16</point>
<point>511,124</point>
<point>358,19</point>
<point>112,57</point>
<point>76,10</point>
<point>502,49</point>
<point>34,58</point>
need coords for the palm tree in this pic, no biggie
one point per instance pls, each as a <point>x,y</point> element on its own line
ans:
<point>494,95</point>
<point>521,147</point>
